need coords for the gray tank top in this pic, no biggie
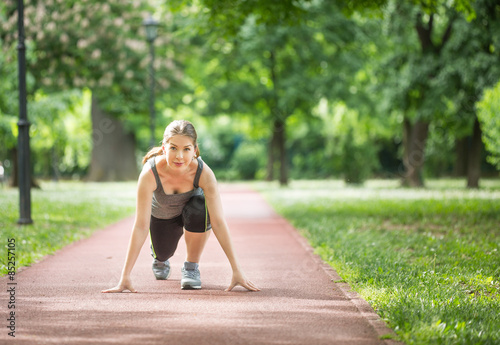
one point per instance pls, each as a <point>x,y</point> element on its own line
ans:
<point>168,206</point>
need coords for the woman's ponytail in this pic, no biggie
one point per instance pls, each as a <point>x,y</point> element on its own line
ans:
<point>155,151</point>
<point>197,151</point>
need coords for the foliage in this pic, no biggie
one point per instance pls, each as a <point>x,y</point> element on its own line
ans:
<point>336,141</point>
<point>312,149</point>
<point>412,64</point>
<point>489,116</point>
<point>261,64</point>
<point>248,160</point>
<point>66,113</point>
<point>472,57</point>
<point>427,260</point>
<point>229,147</point>
<point>61,218</point>
<point>60,133</point>
<point>440,149</point>
<point>426,74</point>
<point>274,69</point>
<point>8,91</point>
<point>105,52</point>
<point>218,142</point>
<point>228,16</point>
<point>73,49</point>
<point>9,101</point>
<point>357,159</point>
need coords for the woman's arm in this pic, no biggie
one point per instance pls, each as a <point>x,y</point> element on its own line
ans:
<point>208,183</point>
<point>145,188</point>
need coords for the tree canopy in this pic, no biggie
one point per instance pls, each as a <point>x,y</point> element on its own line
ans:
<point>278,88</point>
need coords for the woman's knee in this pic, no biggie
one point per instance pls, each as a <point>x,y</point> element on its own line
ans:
<point>195,215</point>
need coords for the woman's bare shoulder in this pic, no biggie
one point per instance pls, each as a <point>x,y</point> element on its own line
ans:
<point>207,179</point>
<point>146,178</point>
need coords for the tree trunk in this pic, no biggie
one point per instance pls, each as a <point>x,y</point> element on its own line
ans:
<point>270,157</point>
<point>406,148</point>
<point>113,150</point>
<point>280,133</point>
<point>277,151</point>
<point>474,157</point>
<point>414,140</point>
<point>278,140</point>
<point>460,168</point>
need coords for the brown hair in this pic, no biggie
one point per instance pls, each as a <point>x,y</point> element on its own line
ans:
<point>177,127</point>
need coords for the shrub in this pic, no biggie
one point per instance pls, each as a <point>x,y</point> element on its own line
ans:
<point>248,159</point>
<point>358,159</point>
<point>489,117</point>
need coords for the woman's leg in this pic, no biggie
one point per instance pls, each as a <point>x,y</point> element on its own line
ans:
<point>195,243</point>
<point>196,227</point>
<point>165,234</point>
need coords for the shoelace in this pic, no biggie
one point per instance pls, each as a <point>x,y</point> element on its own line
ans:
<point>160,264</point>
<point>192,274</point>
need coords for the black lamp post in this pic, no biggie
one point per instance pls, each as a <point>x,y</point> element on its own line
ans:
<point>151,26</point>
<point>23,138</point>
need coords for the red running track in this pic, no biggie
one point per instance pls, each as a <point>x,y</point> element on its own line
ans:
<point>58,300</point>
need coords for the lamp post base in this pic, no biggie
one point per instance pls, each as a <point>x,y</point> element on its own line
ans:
<point>24,221</point>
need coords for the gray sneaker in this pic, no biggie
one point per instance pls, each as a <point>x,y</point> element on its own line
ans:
<point>190,276</point>
<point>161,269</point>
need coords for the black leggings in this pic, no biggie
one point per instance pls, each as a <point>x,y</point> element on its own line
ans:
<point>166,233</point>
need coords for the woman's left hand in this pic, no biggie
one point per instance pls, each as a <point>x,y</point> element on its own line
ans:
<point>240,279</point>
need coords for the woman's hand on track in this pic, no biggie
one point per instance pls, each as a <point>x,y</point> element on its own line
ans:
<point>240,279</point>
<point>123,285</point>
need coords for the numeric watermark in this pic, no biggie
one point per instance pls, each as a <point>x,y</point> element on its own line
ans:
<point>11,286</point>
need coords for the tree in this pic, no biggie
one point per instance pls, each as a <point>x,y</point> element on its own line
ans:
<point>427,82</point>
<point>474,55</point>
<point>229,16</point>
<point>274,68</point>
<point>105,52</point>
<point>250,77</point>
<point>489,117</point>
<point>410,74</point>
<point>8,105</point>
<point>417,75</point>
<point>470,65</point>
<point>58,126</point>
<point>284,69</point>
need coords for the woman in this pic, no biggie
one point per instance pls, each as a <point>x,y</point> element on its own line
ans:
<point>176,193</point>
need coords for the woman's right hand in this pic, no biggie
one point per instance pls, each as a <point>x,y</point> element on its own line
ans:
<point>124,284</point>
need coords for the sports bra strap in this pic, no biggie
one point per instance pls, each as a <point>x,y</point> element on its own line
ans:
<point>198,173</point>
<point>196,181</point>
<point>152,162</point>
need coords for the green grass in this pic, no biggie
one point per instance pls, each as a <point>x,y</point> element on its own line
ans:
<point>427,260</point>
<point>62,213</point>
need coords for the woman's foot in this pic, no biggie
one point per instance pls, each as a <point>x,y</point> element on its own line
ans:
<point>190,276</point>
<point>161,269</point>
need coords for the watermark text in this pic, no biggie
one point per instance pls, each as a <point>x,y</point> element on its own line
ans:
<point>11,287</point>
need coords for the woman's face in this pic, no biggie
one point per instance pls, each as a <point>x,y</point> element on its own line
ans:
<point>179,151</point>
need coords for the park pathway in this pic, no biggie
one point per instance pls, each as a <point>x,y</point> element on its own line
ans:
<point>58,300</point>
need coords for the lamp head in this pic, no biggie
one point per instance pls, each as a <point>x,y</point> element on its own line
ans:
<point>151,26</point>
